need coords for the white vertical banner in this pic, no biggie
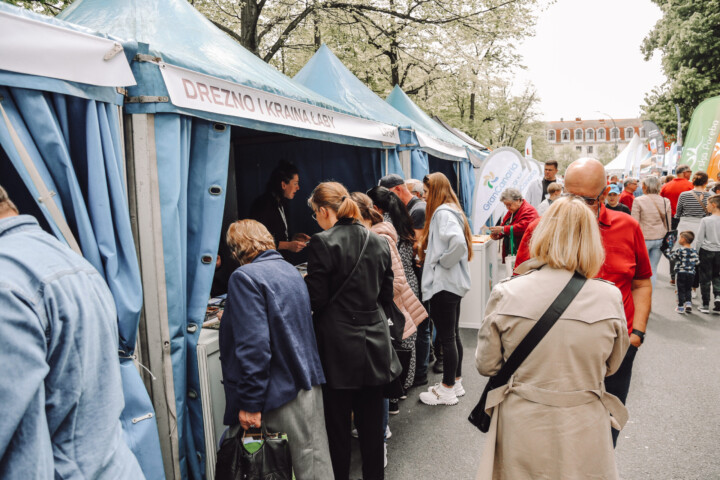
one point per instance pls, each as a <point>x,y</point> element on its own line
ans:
<point>628,154</point>
<point>502,169</point>
<point>528,148</point>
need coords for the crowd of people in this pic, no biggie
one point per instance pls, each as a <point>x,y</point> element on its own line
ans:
<point>330,354</point>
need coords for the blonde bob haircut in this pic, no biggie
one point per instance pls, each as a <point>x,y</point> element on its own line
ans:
<point>247,239</point>
<point>568,238</point>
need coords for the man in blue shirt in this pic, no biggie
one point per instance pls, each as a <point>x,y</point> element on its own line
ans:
<point>60,388</point>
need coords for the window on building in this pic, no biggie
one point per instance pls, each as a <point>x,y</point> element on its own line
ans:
<point>589,135</point>
<point>566,135</point>
<point>551,135</point>
<point>590,149</point>
<point>629,132</point>
<point>578,149</point>
<point>614,133</point>
<point>642,133</point>
<point>601,134</point>
<point>578,134</point>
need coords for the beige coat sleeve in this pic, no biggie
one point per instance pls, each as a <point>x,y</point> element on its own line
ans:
<point>488,355</point>
<point>622,342</point>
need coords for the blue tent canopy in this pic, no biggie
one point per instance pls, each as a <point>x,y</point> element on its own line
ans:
<point>70,133</point>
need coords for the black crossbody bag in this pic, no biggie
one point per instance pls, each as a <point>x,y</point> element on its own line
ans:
<point>478,416</point>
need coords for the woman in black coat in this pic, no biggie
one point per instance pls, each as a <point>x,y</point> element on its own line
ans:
<point>351,327</point>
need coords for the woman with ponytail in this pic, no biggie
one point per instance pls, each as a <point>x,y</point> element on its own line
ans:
<point>350,281</point>
<point>446,249</point>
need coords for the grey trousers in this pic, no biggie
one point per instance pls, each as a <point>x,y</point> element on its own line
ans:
<point>303,420</point>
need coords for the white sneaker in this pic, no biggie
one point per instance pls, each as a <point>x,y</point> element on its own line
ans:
<point>439,395</point>
<point>388,433</point>
<point>459,390</point>
<point>385,465</point>
<point>354,433</point>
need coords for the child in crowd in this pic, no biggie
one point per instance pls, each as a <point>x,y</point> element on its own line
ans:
<point>686,260</point>
<point>708,245</point>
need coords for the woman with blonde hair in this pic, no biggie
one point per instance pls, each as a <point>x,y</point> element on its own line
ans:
<point>270,363</point>
<point>446,249</point>
<point>350,281</point>
<point>553,418</point>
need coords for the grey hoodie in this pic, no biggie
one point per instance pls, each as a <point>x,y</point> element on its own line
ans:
<point>446,258</point>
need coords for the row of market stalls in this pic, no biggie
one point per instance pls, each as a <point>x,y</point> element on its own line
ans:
<point>135,129</point>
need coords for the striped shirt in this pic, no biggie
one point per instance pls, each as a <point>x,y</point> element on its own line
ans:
<point>689,206</point>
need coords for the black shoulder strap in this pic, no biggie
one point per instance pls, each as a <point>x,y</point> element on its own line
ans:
<point>539,330</point>
<point>352,272</point>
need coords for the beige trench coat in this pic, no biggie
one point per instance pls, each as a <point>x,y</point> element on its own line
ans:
<point>552,420</point>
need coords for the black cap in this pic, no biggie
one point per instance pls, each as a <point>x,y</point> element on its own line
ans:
<point>390,181</point>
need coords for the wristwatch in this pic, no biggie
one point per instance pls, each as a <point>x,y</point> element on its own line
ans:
<point>640,334</point>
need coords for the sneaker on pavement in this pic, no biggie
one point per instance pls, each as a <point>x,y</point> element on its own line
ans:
<point>704,309</point>
<point>354,433</point>
<point>419,382</point>
<point>457,388</point>
<point>394,408</point>
<point>688,307</point>
<point>694,293</point>
<point>716,309</point>
<point>438,366</point>
<point>439,395</point>
<point>680,309</point>
<point>388,433</point>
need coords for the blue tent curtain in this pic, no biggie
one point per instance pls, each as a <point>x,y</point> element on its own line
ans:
<point>419,164</point>
<point>467,188</point>
<point>75,145</point>
<point>192,157</point>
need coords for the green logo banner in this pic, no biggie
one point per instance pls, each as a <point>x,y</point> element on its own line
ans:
<point>702,135</point>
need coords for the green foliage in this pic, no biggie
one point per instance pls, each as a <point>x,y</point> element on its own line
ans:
<point>688,38</point>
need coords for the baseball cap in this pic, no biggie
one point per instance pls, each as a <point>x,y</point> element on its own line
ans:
<point>392,180</point>
<point>615,188</point>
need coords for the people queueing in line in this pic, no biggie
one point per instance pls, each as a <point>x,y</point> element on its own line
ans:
<point>445,249</point>
<point>554,192</point>
<point>708,246</point>
<point>613,199</point>
<point>627,263</point>
<point>686,261</point>
<point>653,213</point>
<point>61,386</point>
<point>271,368</point>
<point>350,282</point>
<point>551,419</point>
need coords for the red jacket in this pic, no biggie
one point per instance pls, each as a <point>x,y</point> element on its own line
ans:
<point>519,222</point>
<point>673,189</point>
<point>627,199</point>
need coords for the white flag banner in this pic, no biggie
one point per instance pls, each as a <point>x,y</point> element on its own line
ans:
<point>531,175</point>
<point>502,169</point>
<point>188,89</point>
<point>528,148</point>
<point>38,48</point>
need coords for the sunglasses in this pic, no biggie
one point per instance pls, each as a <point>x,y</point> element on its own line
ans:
<point>590,201</point>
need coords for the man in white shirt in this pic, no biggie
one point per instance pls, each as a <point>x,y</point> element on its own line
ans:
<point>537,191</point>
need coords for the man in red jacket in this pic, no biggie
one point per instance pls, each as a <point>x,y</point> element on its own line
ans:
<point>628,194</point>
<point>627,264</point>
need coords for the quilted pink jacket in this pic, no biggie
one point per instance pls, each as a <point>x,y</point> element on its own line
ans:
<point>404,297</point>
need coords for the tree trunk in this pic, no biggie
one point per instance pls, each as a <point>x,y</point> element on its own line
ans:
<point>472,106</point>
<point>249,16</point>
<point>317,37</point>
<point>394,65</point>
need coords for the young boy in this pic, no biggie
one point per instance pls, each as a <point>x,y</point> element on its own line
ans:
<point>708,244</point>
<point>686,260</point>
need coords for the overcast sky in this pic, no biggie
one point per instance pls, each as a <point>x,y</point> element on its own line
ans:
<point>586,58</point>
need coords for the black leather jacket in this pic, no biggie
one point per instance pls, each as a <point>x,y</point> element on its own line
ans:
<point>352,331</point>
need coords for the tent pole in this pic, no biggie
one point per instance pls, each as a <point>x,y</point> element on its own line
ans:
<point>153,333</point>
<point>387,162</point>
<point>406,163</point>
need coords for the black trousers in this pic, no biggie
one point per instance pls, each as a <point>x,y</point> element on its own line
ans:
<point>674,222</point>
<point>368,404</point>
<point>709,274</point>
<point>684,285</point>
<point>619,383</point>
<point>445,311</point>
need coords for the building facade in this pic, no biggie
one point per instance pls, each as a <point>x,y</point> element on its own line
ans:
<point>593,138</point>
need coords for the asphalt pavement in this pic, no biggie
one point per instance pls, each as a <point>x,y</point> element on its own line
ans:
<point>674,406</point>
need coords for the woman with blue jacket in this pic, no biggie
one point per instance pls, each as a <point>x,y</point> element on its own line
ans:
<point>269,356</point>
<point>446,249</point>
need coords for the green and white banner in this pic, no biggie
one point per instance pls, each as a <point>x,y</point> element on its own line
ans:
<point>702,137</point>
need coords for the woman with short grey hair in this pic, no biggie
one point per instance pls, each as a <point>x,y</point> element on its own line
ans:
<point>513,225</point>
<point>654,214</point>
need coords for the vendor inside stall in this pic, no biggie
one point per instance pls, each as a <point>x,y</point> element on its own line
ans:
<point>270,208</point>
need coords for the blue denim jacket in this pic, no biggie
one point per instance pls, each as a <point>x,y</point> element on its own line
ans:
<point>60,387</point>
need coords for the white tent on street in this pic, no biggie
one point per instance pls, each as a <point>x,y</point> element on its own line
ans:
<point>623,163</point>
